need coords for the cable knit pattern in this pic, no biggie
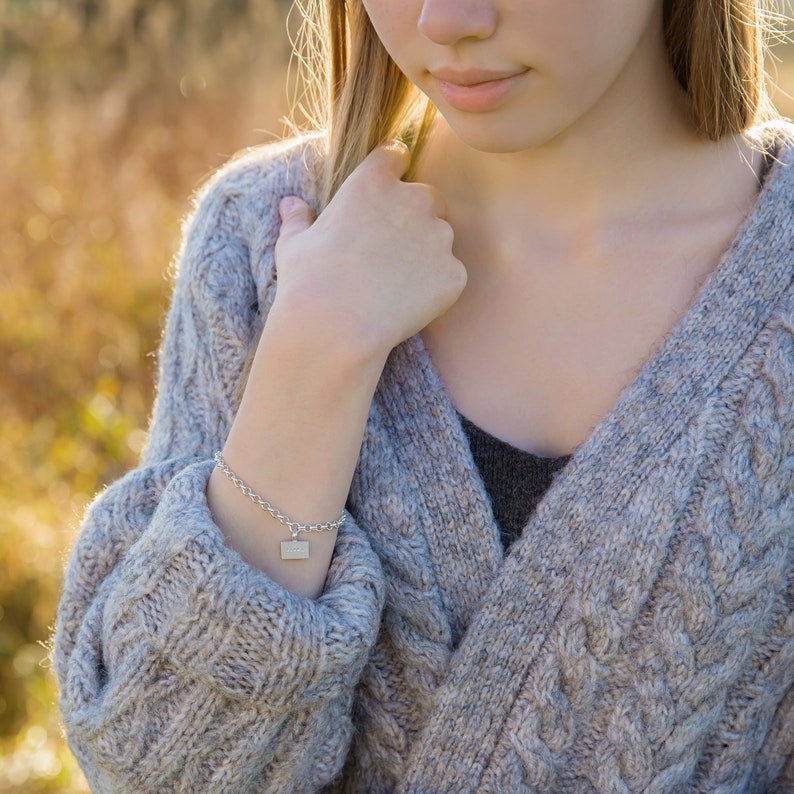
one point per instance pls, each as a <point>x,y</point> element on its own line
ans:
<point>639,636</point>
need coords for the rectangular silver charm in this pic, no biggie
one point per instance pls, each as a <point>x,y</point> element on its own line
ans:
<point>294,549</point>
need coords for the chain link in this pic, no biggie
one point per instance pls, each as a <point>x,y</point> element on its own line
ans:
<point>293,526</point>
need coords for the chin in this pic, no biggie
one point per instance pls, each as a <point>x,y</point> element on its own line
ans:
<point>489,143</point>
<point>486,134</point>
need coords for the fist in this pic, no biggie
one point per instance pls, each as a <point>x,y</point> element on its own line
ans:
<point>377,264</point>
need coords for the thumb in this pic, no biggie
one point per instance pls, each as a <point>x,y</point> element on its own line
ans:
<point>296,216</point>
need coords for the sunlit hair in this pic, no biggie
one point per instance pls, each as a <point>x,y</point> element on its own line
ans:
<point>360,98</point>
<point>353,90</point>
<point>716,48</point>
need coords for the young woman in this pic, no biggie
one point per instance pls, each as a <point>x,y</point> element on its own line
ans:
<point>491,489</point>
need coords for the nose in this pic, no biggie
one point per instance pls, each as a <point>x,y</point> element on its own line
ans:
<point>450,21</point>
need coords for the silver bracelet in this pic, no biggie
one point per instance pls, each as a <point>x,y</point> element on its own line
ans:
<point>290,549</point>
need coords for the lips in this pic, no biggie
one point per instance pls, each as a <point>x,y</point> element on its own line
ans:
<point>471,77</point>
<point>476,90</point>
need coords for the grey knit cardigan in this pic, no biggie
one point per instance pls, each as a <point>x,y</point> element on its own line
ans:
<point>638,637</point>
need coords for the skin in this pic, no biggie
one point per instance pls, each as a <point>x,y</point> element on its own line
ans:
<point>577,56</point>
<point>555,235</point>
<point>586,208</point>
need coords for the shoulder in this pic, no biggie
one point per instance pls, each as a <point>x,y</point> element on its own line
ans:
<point>245,192</point>
<point>779,211</point>
<point>229,234</point>
<point>776,140</point>
<point>775,250</point>
<point>771,224</point>
<point>775,241</point>
<point>255,173</point>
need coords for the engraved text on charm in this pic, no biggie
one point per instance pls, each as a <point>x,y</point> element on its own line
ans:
<point>294,550</point>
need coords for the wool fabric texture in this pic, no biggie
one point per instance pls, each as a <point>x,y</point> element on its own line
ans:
<point>639,636</point>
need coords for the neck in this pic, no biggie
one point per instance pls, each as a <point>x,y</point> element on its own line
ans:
<point>631,156</point>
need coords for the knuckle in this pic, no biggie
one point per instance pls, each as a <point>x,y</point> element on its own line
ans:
<point>463,274</point>
<point>397,149</point>
<point>423,199</point>
<point>415,196</point>
<point>391,158</point>
<point>457,273</point>
<point>445,233</point>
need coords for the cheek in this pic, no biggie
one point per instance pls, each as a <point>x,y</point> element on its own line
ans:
<point>578,42</point>
<point>578,27</point>
<point>394,23</point>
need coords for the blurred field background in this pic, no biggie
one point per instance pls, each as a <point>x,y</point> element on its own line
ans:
<point>112,112</point>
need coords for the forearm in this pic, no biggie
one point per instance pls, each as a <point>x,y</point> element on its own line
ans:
<point>294,441</point>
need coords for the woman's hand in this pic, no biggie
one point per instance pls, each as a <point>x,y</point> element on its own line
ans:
<point>372,270</point>
<point>376,266</point>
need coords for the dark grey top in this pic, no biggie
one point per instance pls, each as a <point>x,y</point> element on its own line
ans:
<point>515,480</point>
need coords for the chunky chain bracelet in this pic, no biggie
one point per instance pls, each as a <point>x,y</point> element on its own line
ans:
<point>290,550</point>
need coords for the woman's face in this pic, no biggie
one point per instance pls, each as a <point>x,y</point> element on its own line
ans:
<point>508,75</point>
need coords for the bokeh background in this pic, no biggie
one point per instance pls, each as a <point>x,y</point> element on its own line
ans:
<point>112,113</point>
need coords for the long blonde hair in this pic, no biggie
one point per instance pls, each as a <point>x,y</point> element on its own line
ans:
<point>360,98</point>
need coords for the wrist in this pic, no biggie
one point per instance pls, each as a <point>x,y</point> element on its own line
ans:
<point>328,335</point>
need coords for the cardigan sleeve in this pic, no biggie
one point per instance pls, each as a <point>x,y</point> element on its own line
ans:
<point>182,668</point>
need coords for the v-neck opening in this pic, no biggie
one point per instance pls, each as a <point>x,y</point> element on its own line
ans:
<point>658,372</point>
<point>592,525</point>
<point>650,413</point>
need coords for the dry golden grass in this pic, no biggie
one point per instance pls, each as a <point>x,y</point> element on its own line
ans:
<point>110,120</point>
<point>105,135</point>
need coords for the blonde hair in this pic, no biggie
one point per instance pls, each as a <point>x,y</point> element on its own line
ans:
<point>355,93</point>
<point>361,99</point>
<point>716,49</point>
